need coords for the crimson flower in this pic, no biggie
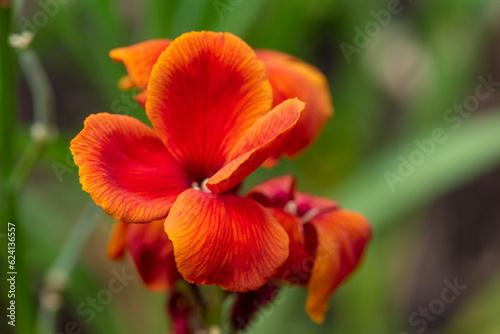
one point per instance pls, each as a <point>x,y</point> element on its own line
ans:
<point>209,102</point>
<point>326,242</point>
<point>152,251</point>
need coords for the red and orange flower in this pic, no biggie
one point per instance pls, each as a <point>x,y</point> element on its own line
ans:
<point>209,101</point>
<point>218,111</point>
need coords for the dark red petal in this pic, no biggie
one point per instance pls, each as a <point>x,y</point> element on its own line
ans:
<point>308,205</point>
<point>297,267</point>
<point>153,255</point>
<point>276,192</point>
<point>180,311</point>
<point>248,304</point>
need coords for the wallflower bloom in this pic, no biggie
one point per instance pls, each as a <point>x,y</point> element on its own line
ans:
<point>209,101</point>
<point>326,242</point>
<point>289,78</point>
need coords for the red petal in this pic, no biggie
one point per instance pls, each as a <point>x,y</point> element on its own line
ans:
<point>126,169</point>
<point>290,77</point>
<point>139,59</point>
<point>298,265</point>
<point>275,192</point>
<point>210,88</point>
<point>226,240</point>
<point>312,205</point>
<point>342,237</point>
<point>152,253</point>
<point>262,139</point>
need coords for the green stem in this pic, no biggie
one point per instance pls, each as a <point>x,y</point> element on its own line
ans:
<point>198,297</point>
<point>24,166</point>
<point>23,299</point>
<point>7,112</point>
<point>43,129</point>
<point>40,87</point>
<point>214,317</point>
<point>58,275</point>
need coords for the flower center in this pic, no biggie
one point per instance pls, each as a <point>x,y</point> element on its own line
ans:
<point>203,186</point>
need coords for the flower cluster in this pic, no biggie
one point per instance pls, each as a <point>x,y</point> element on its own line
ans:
<point>218,110</point>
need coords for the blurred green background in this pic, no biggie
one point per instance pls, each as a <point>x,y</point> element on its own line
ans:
<point>394,78</point>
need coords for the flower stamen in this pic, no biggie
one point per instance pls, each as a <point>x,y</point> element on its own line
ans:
<point>309,215</point>
<point>203,187</point>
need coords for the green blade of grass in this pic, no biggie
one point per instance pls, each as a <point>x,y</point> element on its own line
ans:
<point>469,151</point>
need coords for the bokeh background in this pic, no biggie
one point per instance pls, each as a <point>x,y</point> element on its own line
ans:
<point>438,223</point>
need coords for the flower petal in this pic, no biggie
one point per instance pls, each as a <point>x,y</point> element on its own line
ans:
<point>226,240</point>
<point>180,311</point>
<point>342,237</point>
<point>291,77</point>
<point>258,143</point>
<point>141,98</point>
<point>139,59</point>
<point>208,87</point>
<point>153,255</point>
<point>297,267</point>
<point>117,243</point>
<point>275,192</point>
<point>248,303</point>
<point>126,168</point>
<point>309,206</point>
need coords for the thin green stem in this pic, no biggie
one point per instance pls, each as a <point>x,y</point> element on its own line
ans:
<point>13,178</point>
<point>17,8</point>
<point>198,297</point>
<point>59,273</point>
<point>7,112</point>
<point>24,166</point>
<point>23,299</point>
<point>43,129</point>
<point>40,87</point>
<point>214,317</point>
